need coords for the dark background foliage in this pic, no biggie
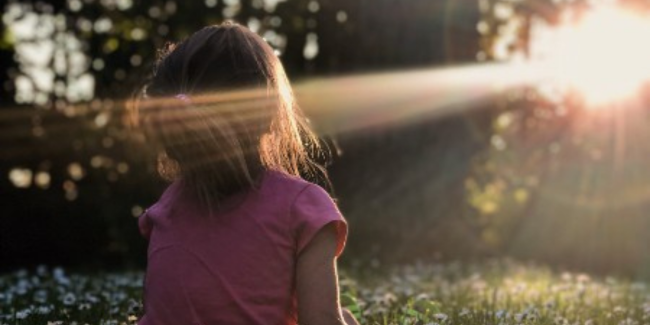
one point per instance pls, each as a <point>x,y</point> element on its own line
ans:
<point>97,226</point>
<point>410,191</point>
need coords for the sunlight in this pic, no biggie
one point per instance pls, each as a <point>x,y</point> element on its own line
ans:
<point>603,56</point>
<point>357,102</point>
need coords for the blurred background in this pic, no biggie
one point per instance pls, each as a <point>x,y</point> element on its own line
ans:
<point>465,129</point>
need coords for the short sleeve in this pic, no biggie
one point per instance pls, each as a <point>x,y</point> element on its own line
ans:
<point>145,225</point>
<point>312,210</point>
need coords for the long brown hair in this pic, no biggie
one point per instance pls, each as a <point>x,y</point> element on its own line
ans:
<point>220,107</point>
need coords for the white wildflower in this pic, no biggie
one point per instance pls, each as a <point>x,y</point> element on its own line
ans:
<point>441,317</point>
<point>69,299</point>
<point>23,314</point>
<point>520,317</point>
<point>41,270</point>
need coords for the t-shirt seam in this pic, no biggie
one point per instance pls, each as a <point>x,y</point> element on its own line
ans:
<point>293,202</point>
<point>292,218</point>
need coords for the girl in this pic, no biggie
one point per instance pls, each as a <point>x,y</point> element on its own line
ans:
<point>238,237</point>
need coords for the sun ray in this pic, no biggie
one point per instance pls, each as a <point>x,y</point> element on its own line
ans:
<point>337,105</point>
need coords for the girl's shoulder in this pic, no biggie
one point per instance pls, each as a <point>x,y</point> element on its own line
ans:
<point>289,189</point>
<point>310,209</point>
<point>277,180</point>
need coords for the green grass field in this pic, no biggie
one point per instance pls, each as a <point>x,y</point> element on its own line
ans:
<point>491,293</point>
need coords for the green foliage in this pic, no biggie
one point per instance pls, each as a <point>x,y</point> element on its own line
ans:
<point>500,292</point>
<point>7,40</point>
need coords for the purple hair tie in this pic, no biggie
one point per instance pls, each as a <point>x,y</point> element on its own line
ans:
<point>184,98</point>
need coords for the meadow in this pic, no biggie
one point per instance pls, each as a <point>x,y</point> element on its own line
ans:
<point>491,293</point>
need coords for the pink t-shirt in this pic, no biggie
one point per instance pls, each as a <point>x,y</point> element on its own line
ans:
<point>237,266</point>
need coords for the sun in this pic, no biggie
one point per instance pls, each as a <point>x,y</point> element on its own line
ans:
<point>605,56</point>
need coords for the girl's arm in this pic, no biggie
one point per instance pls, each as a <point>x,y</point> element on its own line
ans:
<point>317,282</point>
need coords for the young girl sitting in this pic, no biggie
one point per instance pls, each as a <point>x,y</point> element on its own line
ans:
<point>238,237</point>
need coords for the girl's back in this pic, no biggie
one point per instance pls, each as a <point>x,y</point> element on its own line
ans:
<point>238,265</point>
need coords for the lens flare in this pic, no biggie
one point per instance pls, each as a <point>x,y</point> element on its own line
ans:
<point>603,56</point>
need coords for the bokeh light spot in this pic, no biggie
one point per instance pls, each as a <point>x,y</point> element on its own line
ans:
<point>42,179</point>
<point>75,171</point>
<point>136,211</point>
<point>21,177</point>
<point>311,47</point>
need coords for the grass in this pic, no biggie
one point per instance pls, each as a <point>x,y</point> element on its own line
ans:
<point>494,293</point>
